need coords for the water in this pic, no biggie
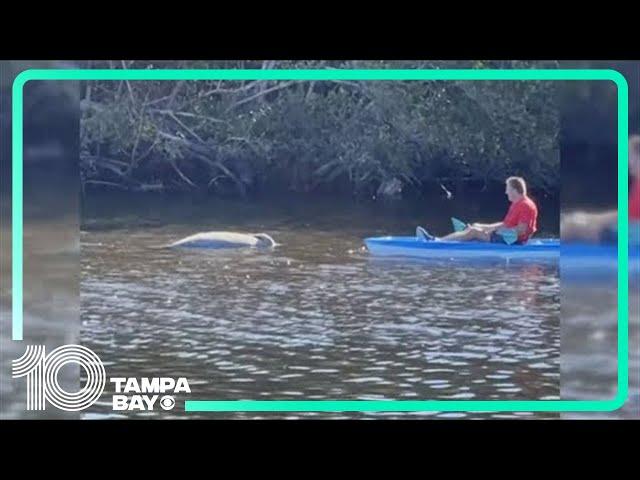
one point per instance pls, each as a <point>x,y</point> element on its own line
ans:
<point>316,318</point>
<point>50,290</point>
<point>589,366</point>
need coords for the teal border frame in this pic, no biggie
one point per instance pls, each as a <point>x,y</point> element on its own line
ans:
<point>380,75</point>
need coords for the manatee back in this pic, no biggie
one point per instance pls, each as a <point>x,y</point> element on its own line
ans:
<point>216,240</point>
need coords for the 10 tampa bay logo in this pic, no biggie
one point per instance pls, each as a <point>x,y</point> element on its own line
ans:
<point>144,393</point>
<point>43,386</point>
<point>42,371</point>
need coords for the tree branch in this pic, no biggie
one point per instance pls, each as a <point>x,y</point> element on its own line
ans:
<point>182,175</point>
<point>187,115</point>
<point>124,66</point>
<point>260,94</point>
<point>191,132</point>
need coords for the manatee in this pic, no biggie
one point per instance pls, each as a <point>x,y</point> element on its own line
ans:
<point>225,240</point>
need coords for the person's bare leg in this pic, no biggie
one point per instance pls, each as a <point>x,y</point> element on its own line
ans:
<point>466,235</point>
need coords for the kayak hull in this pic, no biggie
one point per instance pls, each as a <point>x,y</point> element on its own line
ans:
<point>587,260</point>
<point>575,260</point>
<point>543,249</point>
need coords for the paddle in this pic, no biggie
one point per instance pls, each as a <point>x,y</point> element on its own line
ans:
<point>421,233</point>
<point>510,235</point>
<point>458,225</point>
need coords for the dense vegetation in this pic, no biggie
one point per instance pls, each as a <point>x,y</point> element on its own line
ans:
<point>353,137</point>
<point>365,138</point>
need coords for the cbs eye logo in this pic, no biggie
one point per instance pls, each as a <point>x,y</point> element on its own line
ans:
<point>167,402</point>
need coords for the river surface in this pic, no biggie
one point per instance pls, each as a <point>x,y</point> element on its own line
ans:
<point>589,366</point>
<point>317,317</point>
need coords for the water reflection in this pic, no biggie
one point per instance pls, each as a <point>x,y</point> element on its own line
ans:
<point>590,336</point>
<point>316,318</point>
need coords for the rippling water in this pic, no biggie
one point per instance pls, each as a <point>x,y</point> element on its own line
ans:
<point>589,344</point>
<point>316,318</point>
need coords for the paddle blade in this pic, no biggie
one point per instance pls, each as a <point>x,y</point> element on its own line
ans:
<point>458,225</point>
<point>510,235</point>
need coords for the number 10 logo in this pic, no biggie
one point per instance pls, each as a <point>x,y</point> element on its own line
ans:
<point>42,377</point>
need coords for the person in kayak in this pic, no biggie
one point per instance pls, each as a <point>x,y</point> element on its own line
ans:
<point>603,227</point>
<point>521,217</point>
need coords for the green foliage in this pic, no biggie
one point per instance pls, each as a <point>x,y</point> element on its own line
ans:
<point>305,136</point>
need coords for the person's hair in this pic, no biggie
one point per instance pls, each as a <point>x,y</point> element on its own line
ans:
<point>518,184</point>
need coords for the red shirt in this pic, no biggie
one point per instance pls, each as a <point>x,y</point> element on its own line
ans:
<point>634,201</point>
<point>523,211</point>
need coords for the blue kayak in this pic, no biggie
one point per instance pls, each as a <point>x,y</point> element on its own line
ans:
<point>588,259</point>
<point>417,247</point>
<point>574,258</point>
